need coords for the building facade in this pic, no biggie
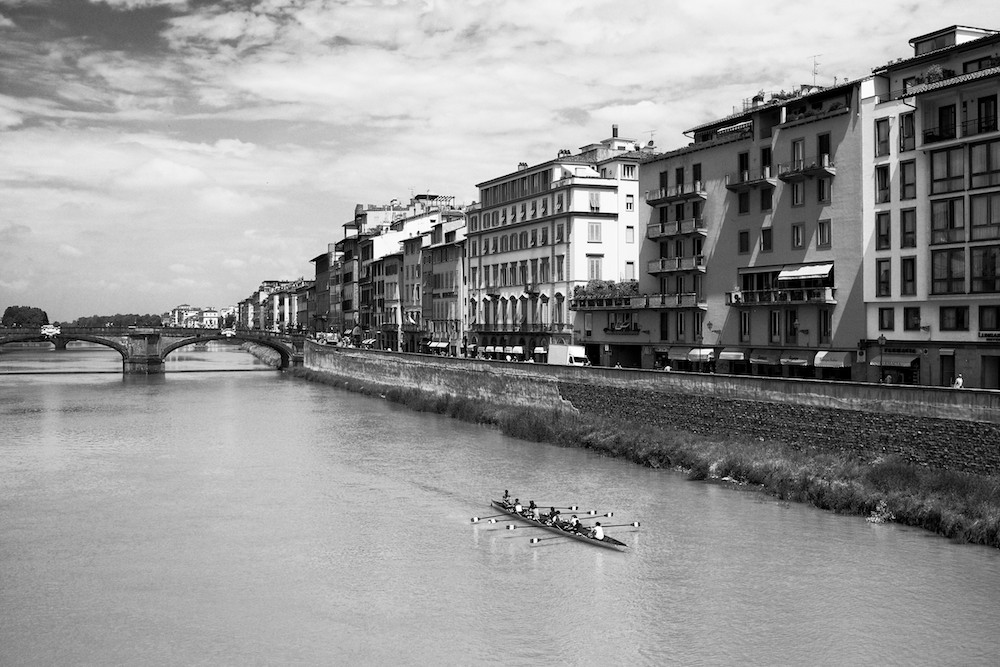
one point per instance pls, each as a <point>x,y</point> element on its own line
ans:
<point>932,225</point>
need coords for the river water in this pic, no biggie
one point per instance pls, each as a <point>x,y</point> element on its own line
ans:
<point>213,517</point>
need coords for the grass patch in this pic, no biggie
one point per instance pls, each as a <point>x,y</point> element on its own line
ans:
<point>960,506</point>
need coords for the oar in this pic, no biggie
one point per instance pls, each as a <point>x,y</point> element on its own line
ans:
<point>536,540</point>
<point>476,519</point>
<point>573,508</point>
<point>515,527</point>
<point>634,524</point>
<point>596,516</point>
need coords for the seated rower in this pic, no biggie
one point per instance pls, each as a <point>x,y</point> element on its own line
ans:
<point>551,516</point>
<point>517,505</point>
<point>536,514</point>
<point>573,523</point>
<point>597,532</point>
<point>506,497</point>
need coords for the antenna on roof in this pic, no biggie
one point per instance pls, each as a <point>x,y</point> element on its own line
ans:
<point>815,66</point>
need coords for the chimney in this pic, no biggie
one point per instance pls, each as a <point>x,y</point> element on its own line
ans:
<point>614,131</point>
<point>521,166</point>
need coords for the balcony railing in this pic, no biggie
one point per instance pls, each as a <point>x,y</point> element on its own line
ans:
<point>506,327</point>
<point>656,230</point>
<point>797,170</point>
<point>787,295</point>
<point>750,178</point>
<point>643,302</point>
<point>933,135</point>
<point>673,193</point>
<point>672,264</point>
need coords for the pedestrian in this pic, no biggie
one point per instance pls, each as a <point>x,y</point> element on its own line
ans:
<point>959,382</point>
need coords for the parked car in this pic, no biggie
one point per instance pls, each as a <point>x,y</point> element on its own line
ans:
<point>50,330</point>
<point>228,333</point>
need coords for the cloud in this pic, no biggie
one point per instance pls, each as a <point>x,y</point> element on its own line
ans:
<point>67,250</point>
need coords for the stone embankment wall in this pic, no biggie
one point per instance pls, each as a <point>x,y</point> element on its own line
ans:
<point>943,428</point>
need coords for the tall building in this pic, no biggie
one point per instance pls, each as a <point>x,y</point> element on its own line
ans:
<point>932,215</point>
<point>752,249</point>
<point>542,231</point>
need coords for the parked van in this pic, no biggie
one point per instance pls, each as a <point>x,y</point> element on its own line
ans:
<point>568,355</point>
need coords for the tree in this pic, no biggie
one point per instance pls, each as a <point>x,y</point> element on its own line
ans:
<point>24,316</point>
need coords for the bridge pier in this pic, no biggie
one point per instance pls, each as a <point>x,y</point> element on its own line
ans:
<point>143,366</point>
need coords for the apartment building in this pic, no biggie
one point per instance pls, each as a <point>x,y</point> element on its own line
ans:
<point>445,287</point>
<point>932,223</point>
<point>541,231</point>
<point>751,254</point>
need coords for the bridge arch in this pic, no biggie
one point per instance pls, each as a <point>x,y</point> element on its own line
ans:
<point>60,340</point>
<point>286,355</point>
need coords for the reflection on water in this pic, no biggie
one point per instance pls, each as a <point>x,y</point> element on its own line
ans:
<point>235,518</point>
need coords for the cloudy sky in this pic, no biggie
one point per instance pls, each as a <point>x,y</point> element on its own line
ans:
<point>159,152</point>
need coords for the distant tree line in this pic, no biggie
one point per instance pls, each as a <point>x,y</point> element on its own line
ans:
<point>24,316</point>
<point>130,320</point>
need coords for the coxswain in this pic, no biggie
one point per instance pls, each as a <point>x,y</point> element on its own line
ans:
<point>506,497</point>
<point>597,532</point>
<point>517,505</point>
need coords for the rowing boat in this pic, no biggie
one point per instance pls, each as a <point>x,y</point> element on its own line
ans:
<point>607,542</point>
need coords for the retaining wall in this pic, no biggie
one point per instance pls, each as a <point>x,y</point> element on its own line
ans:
<point>943,428</point>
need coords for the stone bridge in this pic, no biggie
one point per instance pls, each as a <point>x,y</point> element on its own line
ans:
<point>144,349</point>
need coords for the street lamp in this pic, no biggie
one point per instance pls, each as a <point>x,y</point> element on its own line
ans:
<point>881,344</point>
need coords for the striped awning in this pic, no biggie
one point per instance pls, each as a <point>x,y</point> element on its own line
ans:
<point>766,356</point>
<point>678,353</point>
<point>733,354</point>
<point>894,360</point>
<point>832,359</point>
<point>805,272</point>
<point>797,358</point>
<point>701,354</point>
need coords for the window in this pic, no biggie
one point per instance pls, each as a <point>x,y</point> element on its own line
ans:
<point>679,211</point>
<point>629,234</point>
<point>911,318</point>
<point>886,319</point>
<point>984,214</point>
<point>545,235</point>
<point>984,162</point>
<point>948,220</point>
<point>798,154</point>
<point>594,267</point>
<point>696,173</point>
<point>823,190</point>
<point>882,193</point>
<point>989,318</point>
<point>907,136</point>
<point>954,318</point>
<point>745,320</point>
<point>823,147</point>
<point>825,324</point>
<point>798,235</point>
<point>883,230</point>
<point>743,166</point>
<point>908,276</point>
<point>881,136</point>
<point>534,238</point>
<point>560,267</point>
<point>559,233</point>
<point>883,273</point>
<point>908,228</point>
<point>908,180</point>
<point>985,269</point>
<point>766,197</point>
<point>798,189</point>
<point>823,234</point>
<point>766,239</point>
<point>664,326</point>
<point>629,270</point>
<point>948,271</point>
<point>594,231</point>
<point>628,171</point>
<point>629,202</point>
<point>680,316</point>
<point>743,241</point>
<point>559,203</point>
<point>774,326</point>
<point>743,201</point>
<point>947,170</point>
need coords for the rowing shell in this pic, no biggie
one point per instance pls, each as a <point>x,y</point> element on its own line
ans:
<point>607,542</point>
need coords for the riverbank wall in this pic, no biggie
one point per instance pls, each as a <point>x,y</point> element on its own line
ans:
<point>957,430</point>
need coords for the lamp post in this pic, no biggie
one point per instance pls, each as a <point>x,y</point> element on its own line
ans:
<point>881,345</point>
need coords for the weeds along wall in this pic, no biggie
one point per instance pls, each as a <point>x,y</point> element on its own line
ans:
<point>937,427</point>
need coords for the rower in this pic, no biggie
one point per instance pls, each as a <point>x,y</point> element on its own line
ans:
<point>554,517</point>
<point>574,523</point>
<point>517,505</point>
<point>536,514</point>
<point>506,497</point>
<point>597,532</point>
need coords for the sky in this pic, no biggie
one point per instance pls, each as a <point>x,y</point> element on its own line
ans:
<point>163,152</point>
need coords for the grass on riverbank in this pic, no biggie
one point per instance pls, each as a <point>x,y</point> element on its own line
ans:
<point>959,506</point>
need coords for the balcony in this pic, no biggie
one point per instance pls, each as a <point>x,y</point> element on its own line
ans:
<point>676,264</point>
<point>933,135</point>
<point>658,230</point>
<point>676,193</point>
<point>785,296</point>
<point>601,303</point>
<point>525,327</point>
<point>742,181</point>
<point>810,167</point>
<point>971,128</point>
<point>644,302</point>
<point>625,330</point>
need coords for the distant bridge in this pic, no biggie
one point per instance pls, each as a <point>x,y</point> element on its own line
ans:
<point>144,349</point>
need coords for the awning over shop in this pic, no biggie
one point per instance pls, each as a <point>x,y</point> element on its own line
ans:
<point>733,354</point>
<point>807,272</point>
<point>832,359</point>
<point>517,349</point>
<point>894,360</point>
<point>797,358</point>
<point>540,350</point>
<point>678,353</point>
<point>701,354</point>
<point>661,349</point>
<point>489,349</point>
<point>506,350</point>
<point>766,356</point>
<point>368,341</point>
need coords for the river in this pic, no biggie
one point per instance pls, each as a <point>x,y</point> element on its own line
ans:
<point>229,514</point>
